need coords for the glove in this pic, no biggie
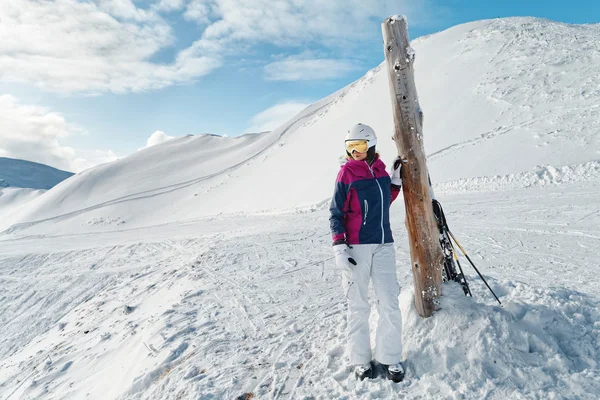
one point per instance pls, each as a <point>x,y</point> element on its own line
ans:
<point>396,172</point>
<point>343,260</point>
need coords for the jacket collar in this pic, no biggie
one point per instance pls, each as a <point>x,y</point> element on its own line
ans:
<point>361,168</point>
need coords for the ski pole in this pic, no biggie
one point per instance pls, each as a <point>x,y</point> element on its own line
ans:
<point>473,265</point>
<point>462,274</point>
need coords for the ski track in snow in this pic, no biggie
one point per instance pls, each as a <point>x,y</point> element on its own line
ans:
<point>259,309</point>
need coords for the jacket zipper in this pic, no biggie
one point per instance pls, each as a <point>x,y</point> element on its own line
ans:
<point>381,192</point>
<point>366,212</point>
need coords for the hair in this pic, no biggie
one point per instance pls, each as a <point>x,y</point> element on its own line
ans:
<point>371,155</point>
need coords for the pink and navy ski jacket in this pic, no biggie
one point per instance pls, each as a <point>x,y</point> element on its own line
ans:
<point>360,208</point>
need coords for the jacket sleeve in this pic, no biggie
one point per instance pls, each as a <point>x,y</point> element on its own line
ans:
<point>339,207</point>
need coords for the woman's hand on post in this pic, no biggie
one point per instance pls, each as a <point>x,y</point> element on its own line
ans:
<point>396,172</point>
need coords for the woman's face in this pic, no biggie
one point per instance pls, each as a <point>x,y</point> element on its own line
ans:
<point>359,156</point>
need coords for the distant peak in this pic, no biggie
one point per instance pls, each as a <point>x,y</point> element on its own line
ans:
<point>28,174</point>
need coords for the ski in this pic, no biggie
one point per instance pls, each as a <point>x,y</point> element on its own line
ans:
<point>450,258</point>
<point>449,272</point>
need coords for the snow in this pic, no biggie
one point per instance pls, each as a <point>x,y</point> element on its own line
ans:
<point>22,182</point>
<point>27,174</point>
<point>398,17</point>
<point>201,267</point>
<point>410,54</point>
<point>13,199</point>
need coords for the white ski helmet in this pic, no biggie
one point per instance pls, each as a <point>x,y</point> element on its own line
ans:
<point>362,132</point>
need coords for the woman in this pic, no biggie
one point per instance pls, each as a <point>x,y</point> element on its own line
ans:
<point>364,250</point>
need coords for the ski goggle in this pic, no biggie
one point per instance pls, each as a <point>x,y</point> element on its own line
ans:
<point>360,146</point>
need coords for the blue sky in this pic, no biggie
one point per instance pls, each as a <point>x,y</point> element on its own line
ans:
<point>105,75</point>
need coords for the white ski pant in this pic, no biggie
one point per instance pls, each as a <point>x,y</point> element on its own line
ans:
<point>376,262</point>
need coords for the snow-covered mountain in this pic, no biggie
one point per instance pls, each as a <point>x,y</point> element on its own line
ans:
<point>30,175</point>
<point>22,181</point>
<point>202,267</point>
<point>515,99</point>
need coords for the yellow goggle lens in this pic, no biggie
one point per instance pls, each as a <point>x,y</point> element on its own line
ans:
<point>360,146</point>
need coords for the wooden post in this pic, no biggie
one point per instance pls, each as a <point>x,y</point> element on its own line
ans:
<point>423,234</point>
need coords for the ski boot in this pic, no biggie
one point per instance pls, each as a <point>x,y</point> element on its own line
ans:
<point>395,372</point>
<point>363,371</point>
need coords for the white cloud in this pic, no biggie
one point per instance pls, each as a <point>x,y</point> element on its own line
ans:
<point>275,116</point>
<point>124,9</point>
<point>33,133</point>
<point>157,138</point>
<point>108,45</point>
<point>72,46</point>
<point>199,11</point>
<point>170,5</point>
<point>297,22</point>
<point>298,68</point>
<point>337,27</point>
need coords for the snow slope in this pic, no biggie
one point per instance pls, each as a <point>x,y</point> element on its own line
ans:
<point>502,98</point>
<point>22,182</point>
<point>165,276</point>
